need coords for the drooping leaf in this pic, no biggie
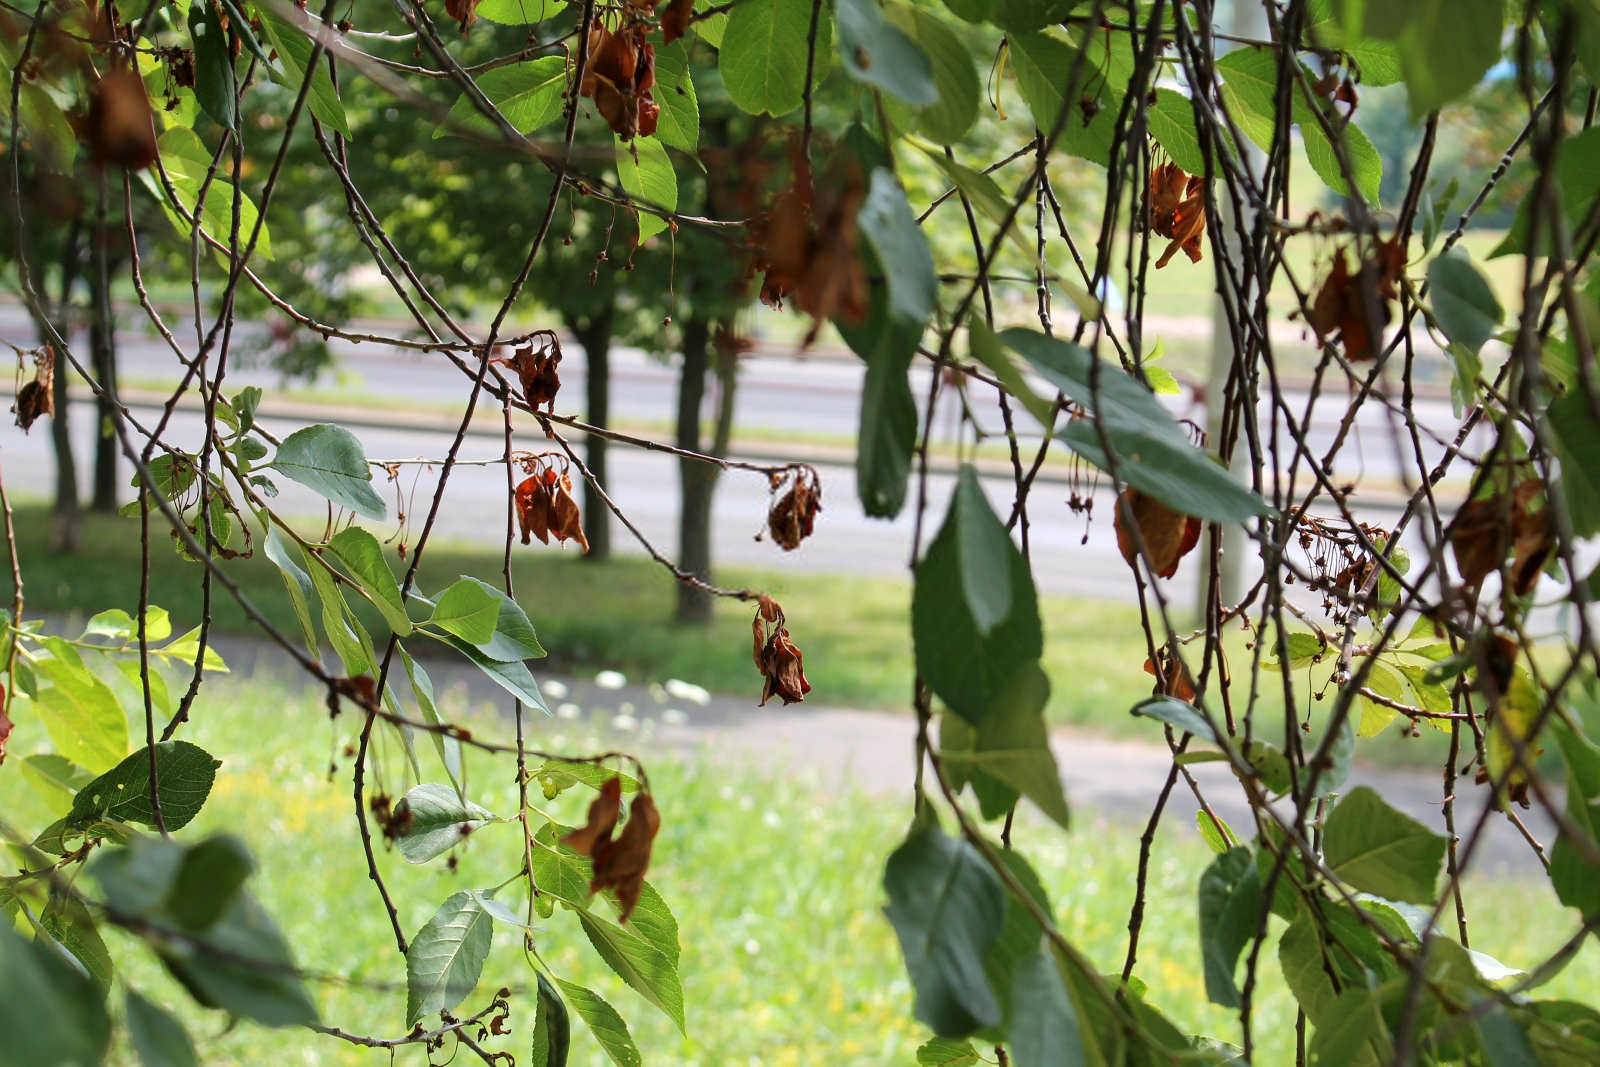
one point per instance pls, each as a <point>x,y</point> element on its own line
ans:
<point>955,78</point>
<point>890,227</point>
<point>947,908</point>
<point>975,617</point>
<point>604,1023</point>
<point>1013,745</point>
<point>157,1036</point>
<point>1575,876</point>
<point>1467,309</point>
<point>646,175</point>
<point>1230,907</point>
<point>1577,445</point>
<point>449,748</point>
<point>888,417</point>
<point>446,957</point>
<point>552,1029</point>
<point>762,54</point>
<point>67,920</point>
<point>295,580</point>
<point>1380,850</point>
<point>293,50</point>
<point>435,820</point>
<point>215,85</point>
<point>184,772</point>
<point>53,1013</point>
<point>529,95</point>
<point>362,556</point>
<point>208,881</point>
<point>1154,454</point>
<point>86,723</point>
<point>679,123</point>
<point>877,53</point>
<point>328,460</point>
<point>1178,714</point>
<point>1045,1029</point>
<point>468,609</point>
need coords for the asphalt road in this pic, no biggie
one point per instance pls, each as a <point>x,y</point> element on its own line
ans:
<point>777,393</point>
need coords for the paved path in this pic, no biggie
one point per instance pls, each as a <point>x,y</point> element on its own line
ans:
<point>1114,779</point>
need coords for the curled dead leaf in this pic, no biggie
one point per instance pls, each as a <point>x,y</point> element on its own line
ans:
<point>1176,209</point>
<point>792,515</point>
<point>675,20</point>
<point>37,397</point>
<point>1173,678</point>
<point>809,246</point>
<point>463,11</point>
<point>1168,535</point>
<point>1339,308</point>
<point>620,74</point>
<point>777,657</point>
<point>536,369</point>
<point>545,505</point>
<point>620,862</point>
<point>1484,530</point>
<point>119,129</point>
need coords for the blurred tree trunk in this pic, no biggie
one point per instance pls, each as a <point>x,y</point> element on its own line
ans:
<point>103,354</point>
<point>699,479</point>
<point>595,337</point>
<point>66,529</point>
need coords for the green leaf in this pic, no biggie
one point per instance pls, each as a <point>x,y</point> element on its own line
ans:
<point>1465,306</point>
<point>67,920</point>
<point>1154,454</point>
<point>678,124</point>
<point>646,175</point>
<point>55,779</point>
<point>975,617</point>
<point>986,348</point>
<point>1178,714</point>
<point>888,418</point>
<point>1574,875</point>
<point>53,1014</point>
<point>435,821</point>
<point>1042,63</point>
<point>1577,445</point>
<point>1013,745</point>
<point>446,957</point>
<point>762,55</point>
<point>1445,46</point>
<point>944,1052</point>
<point>240,964</point>
<point>1270,765</point>
<point>1230,908</point>
<point>328,460</point>
<point>552,1030</point>
<point>295,580</point>
<point>1356,1032</point>
<point>157,1036</point>
<point>644,964</point>
<point>1380,850</point>
<point>877,53</point>
<point>512,12</point>
<point>604,1023</point>
<point>954,76</point>
<point>186,162</point>
<point>513,677</point>
<point>1250,89</point>
<point>892,231</point>
<point>1341,754</point>
<point>184,771</point>
<point>214,83</point>
<point>469,609</point>
<point>514,637</point>
<point>529,95</point>
<point>1504,1042</point>
<point>986,197</point>
<point>947,908</point>
<point>209,881</point>
<point>1045,1031</point>
<point>293,47</point>
<point>85,721</point>
<point>1215,831</point>
<point>362,556</point>
<point>449,748</point>
<point>1171,118</point>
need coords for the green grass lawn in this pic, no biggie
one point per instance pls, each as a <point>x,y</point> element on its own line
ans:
<point>854,631</point>
<point>775,883</point>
